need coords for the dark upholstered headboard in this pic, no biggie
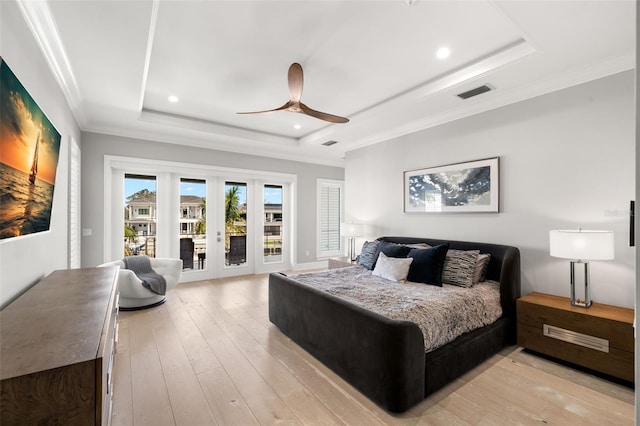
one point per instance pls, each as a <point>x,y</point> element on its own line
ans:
<point>504,266</point>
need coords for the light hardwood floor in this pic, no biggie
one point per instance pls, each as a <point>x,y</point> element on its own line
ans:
<point>210,356</point>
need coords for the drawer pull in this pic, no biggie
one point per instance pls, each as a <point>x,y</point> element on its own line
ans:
<point>585,340</point>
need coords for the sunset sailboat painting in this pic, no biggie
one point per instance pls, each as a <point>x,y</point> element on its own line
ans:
<point>29,151</point>
<point>34,165</point>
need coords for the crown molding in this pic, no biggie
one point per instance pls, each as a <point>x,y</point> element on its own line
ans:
<point>226,144</point>
<point>42,25</point>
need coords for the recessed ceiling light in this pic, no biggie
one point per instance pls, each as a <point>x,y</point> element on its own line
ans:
<point>173,99</point>
<point>297,126</point>
<point>443,53</point>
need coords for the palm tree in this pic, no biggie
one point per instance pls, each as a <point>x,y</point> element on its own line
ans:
<point>232,214</point>
<point>201,224</point>
<point>129,235</point>
<point>232,211</point>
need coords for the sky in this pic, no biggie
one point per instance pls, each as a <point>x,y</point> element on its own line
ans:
<point>131,186</point>
<point>22,123</point>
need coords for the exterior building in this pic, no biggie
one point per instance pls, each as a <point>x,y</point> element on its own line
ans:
<point>191,212</point>
<point>141,217</point>
<point>273,229</point>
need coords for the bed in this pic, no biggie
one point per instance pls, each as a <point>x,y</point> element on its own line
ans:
<point>385,358</point>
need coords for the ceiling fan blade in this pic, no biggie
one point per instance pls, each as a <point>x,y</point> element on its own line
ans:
<point>285,106</point>
<point>322,115</point>
<point>296,81</point>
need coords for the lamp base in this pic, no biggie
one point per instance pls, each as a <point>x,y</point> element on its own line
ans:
<point>352,249</point>
<point>581,303</point>
<point>587,298</point>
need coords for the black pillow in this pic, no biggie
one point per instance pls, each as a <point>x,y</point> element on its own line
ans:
<point>391,250</point>
<point>427,265</point>
<point>395,250</point>
<point>382,245</point>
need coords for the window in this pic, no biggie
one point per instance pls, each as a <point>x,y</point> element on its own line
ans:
<point>193,223</point>
<point>235,218</point>
<point>140,215</point>
<point>272,237</point>
<point>330,194</point>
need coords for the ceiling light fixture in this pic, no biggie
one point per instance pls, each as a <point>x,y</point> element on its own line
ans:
<point>173,99</point>
<point>443,53</point>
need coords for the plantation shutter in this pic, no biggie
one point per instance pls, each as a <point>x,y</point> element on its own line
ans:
<point>330,217</point>
<point>74,206</point>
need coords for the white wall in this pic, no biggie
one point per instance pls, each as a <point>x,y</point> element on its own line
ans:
<point>566,161</point>
<point>24,260</point>
<point>96,146</point>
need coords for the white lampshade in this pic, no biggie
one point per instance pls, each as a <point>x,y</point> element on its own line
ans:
<point>580,244</point>
<point>352,229</point>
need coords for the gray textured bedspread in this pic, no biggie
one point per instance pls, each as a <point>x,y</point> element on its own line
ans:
<point>442,313</point>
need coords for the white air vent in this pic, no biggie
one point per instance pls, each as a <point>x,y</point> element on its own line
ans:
<point>585,340</point>
<point>475,92</point>
<point>329,143</point>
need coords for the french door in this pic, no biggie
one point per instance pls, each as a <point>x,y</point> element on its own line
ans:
<point>253,227</point>
<point>220,223</point>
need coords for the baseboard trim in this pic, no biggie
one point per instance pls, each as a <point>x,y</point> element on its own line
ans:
<point>322,264</point>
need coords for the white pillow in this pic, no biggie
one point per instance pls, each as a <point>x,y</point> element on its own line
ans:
<point>392,268</point>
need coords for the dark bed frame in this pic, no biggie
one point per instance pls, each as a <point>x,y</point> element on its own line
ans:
<point>384,358</point>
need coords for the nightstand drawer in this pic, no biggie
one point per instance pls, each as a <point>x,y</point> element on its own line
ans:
<point>619,334</point>
<point>615,363</point>
<point>600,338</point>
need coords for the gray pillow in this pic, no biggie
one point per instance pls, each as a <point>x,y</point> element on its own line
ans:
<point>368,254</point>
<point>459,267</point>
<point>480,273</point>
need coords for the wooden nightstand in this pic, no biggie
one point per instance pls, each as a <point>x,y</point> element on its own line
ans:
<point>341,262</point>
<point>599,338</point>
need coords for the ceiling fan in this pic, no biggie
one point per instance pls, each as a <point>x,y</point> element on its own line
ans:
<point>296,81</point>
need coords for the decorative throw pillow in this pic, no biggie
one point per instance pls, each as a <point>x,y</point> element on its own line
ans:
<point>393,249</point>
<point>392,268</point>
<point>480,272</point>
<point>459,266</point>
<point>369,254</point>
<point>427,265</point>
<point>418,246</point>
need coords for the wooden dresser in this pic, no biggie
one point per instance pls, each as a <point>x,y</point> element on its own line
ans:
<point>599,338</point>
<point>57,346</point>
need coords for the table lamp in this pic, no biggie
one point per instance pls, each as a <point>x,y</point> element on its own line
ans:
<point>580,246</point>
<point>352,230</point>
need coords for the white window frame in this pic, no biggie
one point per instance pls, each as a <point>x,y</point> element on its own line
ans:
<point>321,184</point>
<point>168,174</point>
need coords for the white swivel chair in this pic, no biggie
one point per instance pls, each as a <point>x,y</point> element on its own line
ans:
<point>133,295</point>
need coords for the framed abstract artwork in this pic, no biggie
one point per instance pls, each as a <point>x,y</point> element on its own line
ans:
<point>472,186</point>
<point>29,150</point>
